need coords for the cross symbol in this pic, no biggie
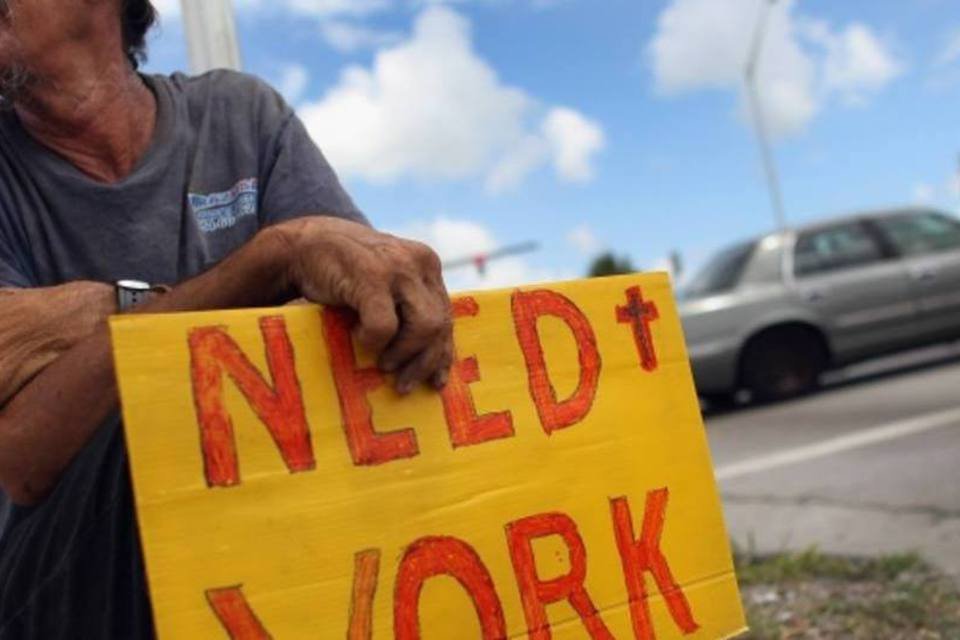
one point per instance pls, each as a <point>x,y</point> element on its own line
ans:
<point>640,313</point>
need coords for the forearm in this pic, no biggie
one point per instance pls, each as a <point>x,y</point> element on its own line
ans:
<point>39,325</point>
<point>53,417</point>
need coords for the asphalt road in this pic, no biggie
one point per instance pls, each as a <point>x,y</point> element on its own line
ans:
<point>869,465</point>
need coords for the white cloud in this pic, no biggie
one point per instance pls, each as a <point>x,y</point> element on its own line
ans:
<point>317,8</point>
<point>704,44</point>
<point>923,193</point>
<point>517,162</point>
<point>944,71</point>
<point>432,108</point>
<point>585,240</point>
<point>455,239</point>
<point>857,64</point>
<point>537,4</point>
<point>327,9</point>
<point>293,82</point>
<point>347,37</point>
<point>428,108</point>
<point>167,8</point>
<point>950,52</point>
<point>575,141</point>
<point>939,192</point>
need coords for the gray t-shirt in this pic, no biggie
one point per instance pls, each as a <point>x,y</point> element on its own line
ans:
<point>228,157</point>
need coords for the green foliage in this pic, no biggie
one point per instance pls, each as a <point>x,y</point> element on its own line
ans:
<point>609,264</point>
<point>809,595</point>
<point>813,564</point>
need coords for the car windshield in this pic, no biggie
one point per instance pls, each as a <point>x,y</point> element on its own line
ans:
<point>722,272</point>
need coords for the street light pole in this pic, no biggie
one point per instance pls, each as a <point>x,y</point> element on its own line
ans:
<point>211,35</point>
<point>481,260</point>
<point>759,120</point>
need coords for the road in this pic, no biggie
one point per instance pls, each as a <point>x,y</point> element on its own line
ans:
<point>869,465</point>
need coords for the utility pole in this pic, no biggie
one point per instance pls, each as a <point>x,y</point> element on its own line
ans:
<point>759,119</point>
<point>211,35</point>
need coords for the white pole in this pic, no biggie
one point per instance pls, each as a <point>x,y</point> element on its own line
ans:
<point>211,35</point>
<point>759,121</point>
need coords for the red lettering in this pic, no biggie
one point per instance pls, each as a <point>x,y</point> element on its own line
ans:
<point>535,592</point>
<point>644,555</point>
<point>435,556</point>
<point>235,614</point>
<point>367,447</point>
<point>528,307</point>
<point>366,571</point>
<point>466,427</point>
<point>640,314</point>
<point>279,407</point>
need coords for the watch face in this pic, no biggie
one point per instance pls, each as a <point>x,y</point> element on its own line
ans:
<point>133,285</point>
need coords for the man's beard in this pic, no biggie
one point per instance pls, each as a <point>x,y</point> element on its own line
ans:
<point>15,78</point>
<point>15,82</point>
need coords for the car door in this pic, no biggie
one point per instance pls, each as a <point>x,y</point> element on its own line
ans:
<point>929,242</point>
<point>858,289</point>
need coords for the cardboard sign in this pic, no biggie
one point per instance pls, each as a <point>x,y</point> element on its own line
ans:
<point>560,487</point>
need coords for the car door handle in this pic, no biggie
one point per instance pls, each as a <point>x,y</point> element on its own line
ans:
<point>925,275</point>
<point>814,295</point>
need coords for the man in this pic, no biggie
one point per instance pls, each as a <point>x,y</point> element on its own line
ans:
<point>209,186</point>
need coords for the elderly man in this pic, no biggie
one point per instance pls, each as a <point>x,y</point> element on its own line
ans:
<point>208,194</point>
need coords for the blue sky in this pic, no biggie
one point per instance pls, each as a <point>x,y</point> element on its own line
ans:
<point>607,124</point>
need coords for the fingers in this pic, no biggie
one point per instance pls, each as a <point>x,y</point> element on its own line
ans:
<point>395,286</point>
<point>430,365</point>
<point>378,320</point>
<point>423,347</point>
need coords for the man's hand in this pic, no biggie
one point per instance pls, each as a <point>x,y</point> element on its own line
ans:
<point>395,286</point>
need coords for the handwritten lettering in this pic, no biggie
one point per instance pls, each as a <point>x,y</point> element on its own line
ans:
<point>280,407</point>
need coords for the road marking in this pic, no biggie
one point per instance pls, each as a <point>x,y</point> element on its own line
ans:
<point>864,438</point>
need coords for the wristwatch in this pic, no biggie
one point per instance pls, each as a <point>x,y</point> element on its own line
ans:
<point>130,293</point>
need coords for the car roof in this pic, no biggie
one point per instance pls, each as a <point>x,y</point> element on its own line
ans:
<point>866,214</point>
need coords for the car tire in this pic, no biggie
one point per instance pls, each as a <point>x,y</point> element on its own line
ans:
<point>783,363</point>
<point>720,402</point>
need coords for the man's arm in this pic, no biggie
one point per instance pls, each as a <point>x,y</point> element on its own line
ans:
<point>394,286</point>
<point>38,325</point>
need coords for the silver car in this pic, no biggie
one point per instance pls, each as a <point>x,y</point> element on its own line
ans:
<point>771,315</point>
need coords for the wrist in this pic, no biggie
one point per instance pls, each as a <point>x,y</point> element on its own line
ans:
<point>97,299</point>
<point>276,248</point>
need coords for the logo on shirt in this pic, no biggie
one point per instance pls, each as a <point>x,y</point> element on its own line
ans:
<point>218,211</point>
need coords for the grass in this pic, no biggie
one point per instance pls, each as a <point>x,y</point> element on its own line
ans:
<point>810,595</point>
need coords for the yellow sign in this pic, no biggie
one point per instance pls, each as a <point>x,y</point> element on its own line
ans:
<point>560,487</point>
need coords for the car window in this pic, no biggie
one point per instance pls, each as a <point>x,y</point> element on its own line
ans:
<point>722,272</point>
<point>921,233</point>
<point>834,248</point>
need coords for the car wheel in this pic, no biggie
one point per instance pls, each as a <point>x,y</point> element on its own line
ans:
<point>720,402</point>
<point>783,364</point>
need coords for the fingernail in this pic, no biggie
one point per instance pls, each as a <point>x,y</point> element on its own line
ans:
<point>440,380</point>
<point>404,388</point>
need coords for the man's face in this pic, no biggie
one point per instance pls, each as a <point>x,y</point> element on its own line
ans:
<point>35,31</point>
